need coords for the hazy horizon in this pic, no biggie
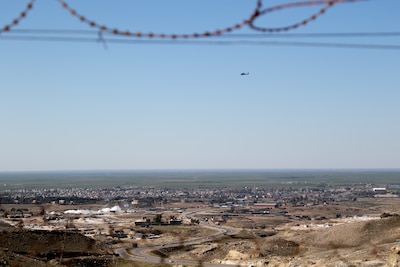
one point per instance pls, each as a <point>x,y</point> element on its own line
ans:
<point>205,170</point>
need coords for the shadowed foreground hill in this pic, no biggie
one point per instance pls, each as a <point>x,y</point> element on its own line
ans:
<point>45,248</point>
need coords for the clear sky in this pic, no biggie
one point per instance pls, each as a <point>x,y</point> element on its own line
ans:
<point>78,106</point>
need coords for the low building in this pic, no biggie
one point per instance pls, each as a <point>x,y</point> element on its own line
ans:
<point>175,222</point>
<point>145,222</point>
<point>379,190</point>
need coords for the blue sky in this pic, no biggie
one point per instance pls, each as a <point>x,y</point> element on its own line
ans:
<point>78,106</point>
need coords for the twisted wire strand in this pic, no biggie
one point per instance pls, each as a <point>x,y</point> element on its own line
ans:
<point>328,4</point>
<point>116,31</point>
<point>247,22</point>
<point>258,12</point>
<point>21,16</point>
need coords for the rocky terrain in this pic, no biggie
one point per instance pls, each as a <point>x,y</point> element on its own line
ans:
<point>347,244</point>
<point>264,240</point>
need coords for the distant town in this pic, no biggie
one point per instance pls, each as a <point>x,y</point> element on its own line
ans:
<point>249,197</point>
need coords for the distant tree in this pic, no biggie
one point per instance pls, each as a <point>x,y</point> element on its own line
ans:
<point>158,218</point>
<point>385,215</point>
<point>194,221</point>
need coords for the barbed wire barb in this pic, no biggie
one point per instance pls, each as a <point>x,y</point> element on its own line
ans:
<point>21,16</point>
<point>102,40</point>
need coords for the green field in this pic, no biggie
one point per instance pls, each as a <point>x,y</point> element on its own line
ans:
<point>196,178</point>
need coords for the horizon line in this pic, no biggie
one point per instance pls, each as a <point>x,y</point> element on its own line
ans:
<point>205,169</point>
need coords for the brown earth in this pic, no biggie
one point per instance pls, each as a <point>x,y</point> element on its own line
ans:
<point>50,248</point>
<point>276,239</point>
<point>364,243</point>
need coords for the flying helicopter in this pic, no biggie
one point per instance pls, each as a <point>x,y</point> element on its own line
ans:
<point>244,73</point>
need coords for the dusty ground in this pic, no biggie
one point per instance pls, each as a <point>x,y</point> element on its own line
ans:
<point>335,235</point>
<point>353,243</point>
<point>349,234</point>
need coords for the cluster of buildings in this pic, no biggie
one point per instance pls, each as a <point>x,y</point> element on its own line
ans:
<point>224,197</point>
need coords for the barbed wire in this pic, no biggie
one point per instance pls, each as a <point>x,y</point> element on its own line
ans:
<point>156,38</point>
<point>249,21</point>
<point>328,4</point>
<point>217,32</point>
<point>117,31</point>
<point>21,16</point>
